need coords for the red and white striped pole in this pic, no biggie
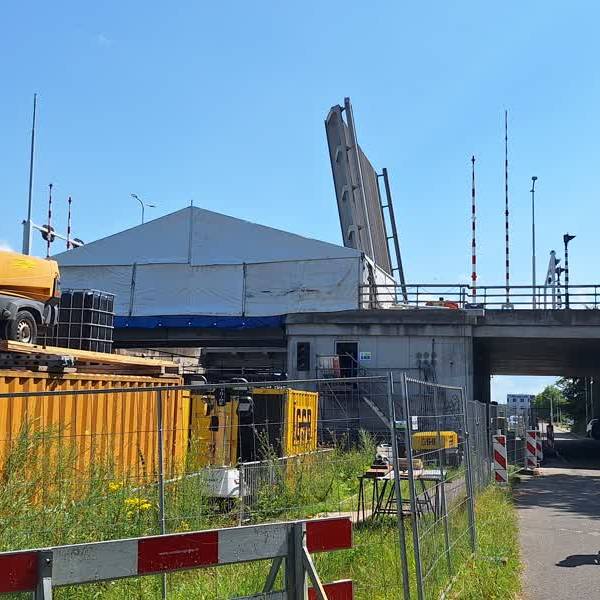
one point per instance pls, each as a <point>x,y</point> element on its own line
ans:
<point>49,238</point>
<point>531,450</point>
<point>473,239</point>
<point>500,459</point>
<point>69,225</point>
<point>506,223</point>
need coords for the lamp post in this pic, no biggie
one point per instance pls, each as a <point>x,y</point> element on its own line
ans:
<point>533,299</point>
<point>143,204</point>
<point>566,239</point>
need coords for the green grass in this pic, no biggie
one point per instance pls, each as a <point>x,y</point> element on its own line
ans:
<point>497,571</point>
<point>47,500</point>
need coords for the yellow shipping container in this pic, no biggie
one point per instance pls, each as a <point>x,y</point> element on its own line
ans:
<point>282,421</point>
<point>424,441</point>
<point>98,428</point>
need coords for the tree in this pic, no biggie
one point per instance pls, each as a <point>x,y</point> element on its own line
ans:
<point>550,397</point>
<point>574,393</point>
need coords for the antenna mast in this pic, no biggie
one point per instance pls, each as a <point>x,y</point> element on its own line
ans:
<point>506,224</point>
<point>69,225</point>
<point>49,236</point>
<point>27,224</point>
<point>473,240</point>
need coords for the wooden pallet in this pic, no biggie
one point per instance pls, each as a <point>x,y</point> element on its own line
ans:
<point>20,355</point>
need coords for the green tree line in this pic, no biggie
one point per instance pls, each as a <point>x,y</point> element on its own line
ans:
<point>568,397</point>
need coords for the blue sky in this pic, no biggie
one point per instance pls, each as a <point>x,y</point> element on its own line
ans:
<point>224,103</point>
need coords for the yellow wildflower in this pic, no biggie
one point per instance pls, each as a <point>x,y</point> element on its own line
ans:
<point>114,486</point>
<point>183,526</point>
<point>136,503</point>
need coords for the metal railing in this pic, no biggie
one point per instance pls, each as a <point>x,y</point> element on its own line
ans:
<point>454,296</point>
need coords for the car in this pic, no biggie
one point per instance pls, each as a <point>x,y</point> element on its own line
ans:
<point>593,429</point>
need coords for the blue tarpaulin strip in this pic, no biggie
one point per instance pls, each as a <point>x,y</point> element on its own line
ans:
<point>204,321</point>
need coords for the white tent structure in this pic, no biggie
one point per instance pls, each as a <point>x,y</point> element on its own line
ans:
<point>196,262</point>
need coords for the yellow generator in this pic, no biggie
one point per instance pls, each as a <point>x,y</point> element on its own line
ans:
<point>257,424</point>
<point>426,443</point>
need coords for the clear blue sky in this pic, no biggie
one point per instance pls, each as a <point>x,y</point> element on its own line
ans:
<point>223,103</point>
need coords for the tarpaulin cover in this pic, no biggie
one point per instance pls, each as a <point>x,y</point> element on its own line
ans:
<point>199,263</point>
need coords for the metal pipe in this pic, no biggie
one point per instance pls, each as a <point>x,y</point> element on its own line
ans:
<point>533,298</point>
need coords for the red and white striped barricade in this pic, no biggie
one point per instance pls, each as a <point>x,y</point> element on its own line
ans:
<point>500,459</point>
<point>539,451</point>
<point>41,570</point>
<point>531,450</point>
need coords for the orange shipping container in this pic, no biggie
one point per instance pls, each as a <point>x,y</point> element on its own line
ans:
<point>119,428</point>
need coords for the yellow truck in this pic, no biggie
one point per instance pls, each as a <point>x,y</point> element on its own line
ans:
<point>29,296</point>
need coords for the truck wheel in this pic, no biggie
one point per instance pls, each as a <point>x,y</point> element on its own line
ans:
<point>23,328</point>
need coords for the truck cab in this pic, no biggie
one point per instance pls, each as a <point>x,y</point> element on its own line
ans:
<point>29,296</point>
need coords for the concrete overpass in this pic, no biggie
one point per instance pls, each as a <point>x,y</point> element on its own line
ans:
<point>458,347</point>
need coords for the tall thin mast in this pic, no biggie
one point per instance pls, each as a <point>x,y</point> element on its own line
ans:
<point>27,224</point>
<point>506,226</point>
<point>69,226</point>
<point>49,226</point>
<point>473,239</point>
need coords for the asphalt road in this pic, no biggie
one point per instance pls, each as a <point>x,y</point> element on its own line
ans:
<point>559,514</point>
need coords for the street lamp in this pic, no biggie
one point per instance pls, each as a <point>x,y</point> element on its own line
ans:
<point>566,239</point>
<point>143,205</point>
<point>533,180</point>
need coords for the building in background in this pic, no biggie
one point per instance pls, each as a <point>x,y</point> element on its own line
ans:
<point>520,401</point>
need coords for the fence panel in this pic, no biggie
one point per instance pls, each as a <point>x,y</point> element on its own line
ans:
<point>440,482</point>
<point>152,466</point>
<point>184,459</point>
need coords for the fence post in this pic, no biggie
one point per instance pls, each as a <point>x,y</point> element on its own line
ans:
<point>296,584</point>
<point>397,487</point>
<point>241,493</point>
<point>442,482</point>
<point>469,474</point>
<point>43,590</point>
<point>413,492</point>
<point>161,475</point>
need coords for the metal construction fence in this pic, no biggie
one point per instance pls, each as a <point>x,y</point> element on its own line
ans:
<point>241,454</point>
<point>439,459</point>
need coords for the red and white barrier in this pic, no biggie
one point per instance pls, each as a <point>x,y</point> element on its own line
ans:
<point>500,459</point>
<point>531,450</point>
<point>106,561</point>
<point>538,446</point>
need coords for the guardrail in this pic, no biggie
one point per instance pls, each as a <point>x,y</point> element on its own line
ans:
<point>430,295</point>
<point>41,570</point>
